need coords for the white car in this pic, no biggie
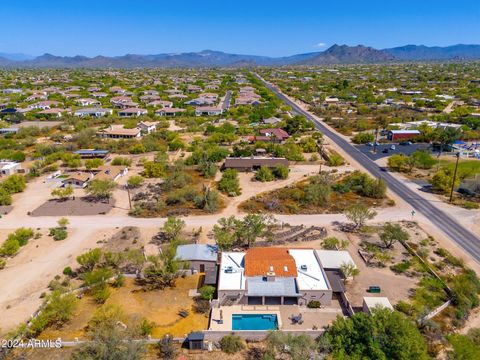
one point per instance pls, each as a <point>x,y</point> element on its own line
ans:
<point>392,147</point>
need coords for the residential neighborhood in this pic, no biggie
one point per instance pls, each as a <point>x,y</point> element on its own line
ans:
<point>313,201</point>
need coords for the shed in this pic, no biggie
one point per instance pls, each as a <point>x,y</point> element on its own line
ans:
<point>370,303</point>
<point>201,257</point>
<point>196,340</point>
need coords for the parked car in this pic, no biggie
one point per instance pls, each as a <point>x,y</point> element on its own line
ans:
<point>370,144</point>
<point>385,151</point>
<point>392,147</point>
<point>405,143</point>
<point>374,289</point>
<point>466,192</point>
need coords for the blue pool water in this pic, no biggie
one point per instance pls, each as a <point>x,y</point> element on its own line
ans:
<point>254,322</point>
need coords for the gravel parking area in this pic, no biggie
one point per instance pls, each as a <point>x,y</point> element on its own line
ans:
<point>72,207</point>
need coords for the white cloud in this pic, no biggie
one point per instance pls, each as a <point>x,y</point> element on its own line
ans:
<point>320,45</point>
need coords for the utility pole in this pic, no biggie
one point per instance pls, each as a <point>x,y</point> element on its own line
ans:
<point>454,176</point>
<point>129,199</point>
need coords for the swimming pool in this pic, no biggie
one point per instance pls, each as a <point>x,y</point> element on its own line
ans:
<point>254,322</point>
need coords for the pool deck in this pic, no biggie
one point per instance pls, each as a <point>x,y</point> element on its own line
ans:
<point>312,318</point>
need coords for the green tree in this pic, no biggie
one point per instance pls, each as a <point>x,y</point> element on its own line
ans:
<point>135,181</point>
<point>465,347</point>
<point>93,163</point>
<point>109,339</point>
<point>13,184</point>
<point>264,174</point>
<point>385,334</point>
<point>281,172</point>
<point>359,214</point>
<point>363,138</point>
<point>392,233</point>
<point>153,169</point>
<point>349,270</point>
<point>173,227</point>
<point>58,310</point>
<point>333,243</point>
<point>207,292</point>
<point>101,189</point>
<point>89,259</point>
<point>229,183</point>
<point>62,193</point>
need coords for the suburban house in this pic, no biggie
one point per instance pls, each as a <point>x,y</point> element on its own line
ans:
<point>88,102</point>
<point>208,110</point>
<point>402,134</point>
<point>200,101</point>
<point>193,88</point>
<point>119,101</point>
<point>77,180</point>
<point>201,258</point>
<point>53,112</point>
<point>9,167</point>
<point>276,135</point>
<point>253,163</point>
<point>272,120</point>
<point>162,103</point>
<point>93,112</point>
<point>272,276</point>
<point>119,132</point>
<point>169,111</point>
<point>132,112</point>
<point>147,126</point>
<point>91,153</point>
<point>44,105</point>
<point>110,172</point>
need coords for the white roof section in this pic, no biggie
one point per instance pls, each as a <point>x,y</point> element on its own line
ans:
<point>372,302</point>
<point>8,165</point>
<point>232,271</point>
<point>333,259</point>
<point>201,252</point>
<point>405,131</point>
<point>311,277</point>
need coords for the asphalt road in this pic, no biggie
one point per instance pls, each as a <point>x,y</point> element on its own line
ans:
<point>399,149</point>
<point>469,241</point>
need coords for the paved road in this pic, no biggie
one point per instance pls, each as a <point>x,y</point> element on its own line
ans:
<point>399,149</point>
<point>469,241</point>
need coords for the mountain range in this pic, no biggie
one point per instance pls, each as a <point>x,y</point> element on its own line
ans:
<point>336,54</point>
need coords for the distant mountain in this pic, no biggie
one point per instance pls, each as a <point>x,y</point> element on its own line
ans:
<point>16,57</point>
<point>421,52</point>
<point>343,54</point>
<point>336,54</point>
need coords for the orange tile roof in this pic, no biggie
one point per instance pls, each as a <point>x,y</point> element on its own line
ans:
<point>259,261</point>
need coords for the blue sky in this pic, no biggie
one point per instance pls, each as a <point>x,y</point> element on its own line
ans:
<point>262,27</point>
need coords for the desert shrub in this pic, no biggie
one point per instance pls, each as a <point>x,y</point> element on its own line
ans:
<point>363,138</point>
<point>68,271</point>
<point>231,344</point>
<point>264,174</point>
<point>58,233</point>
<point>314,304</point>
<point>280,172</point>
<point>229,183</point>
<point>121,161</point>
<point>335,159</point>
<point>401,267</point>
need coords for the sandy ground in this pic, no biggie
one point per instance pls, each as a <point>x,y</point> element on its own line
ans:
<point>253,188</point>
